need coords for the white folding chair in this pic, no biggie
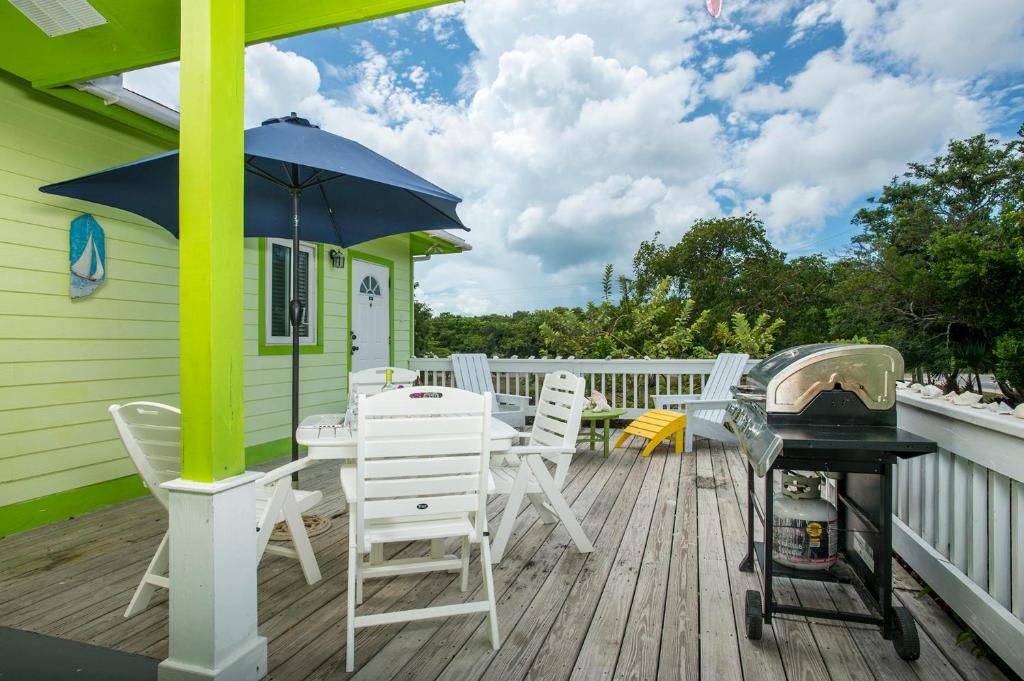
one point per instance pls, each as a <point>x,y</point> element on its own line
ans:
<point>420,474</point>
<point>473,373</point>
<point>370,381</point>
<point>522,471</point>
<point>151,433</point>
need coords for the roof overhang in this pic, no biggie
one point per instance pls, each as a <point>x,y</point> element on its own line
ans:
<point>437,242</point>
<point>141,33</point>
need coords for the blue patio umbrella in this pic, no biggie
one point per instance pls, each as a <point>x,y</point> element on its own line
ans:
<point>300,181</point>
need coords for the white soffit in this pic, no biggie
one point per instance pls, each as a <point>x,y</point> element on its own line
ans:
<point>60,17</point>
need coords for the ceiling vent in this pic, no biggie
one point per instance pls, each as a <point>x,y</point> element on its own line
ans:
<point>60,17</point>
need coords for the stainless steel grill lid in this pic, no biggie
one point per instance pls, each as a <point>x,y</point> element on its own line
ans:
<point>791,378</point>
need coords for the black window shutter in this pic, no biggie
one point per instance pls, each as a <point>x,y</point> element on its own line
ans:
<point>280,270</point>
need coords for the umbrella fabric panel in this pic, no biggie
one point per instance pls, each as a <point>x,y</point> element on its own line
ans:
<point>363,210</point>
<point>287,143</point>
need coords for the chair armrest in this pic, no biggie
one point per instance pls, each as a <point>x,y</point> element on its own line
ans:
<point>285,471</point>
<point>661,400</point>
<point>521,401</point>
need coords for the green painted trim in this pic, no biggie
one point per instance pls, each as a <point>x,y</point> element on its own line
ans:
<point>130,41</point>
<point>25,515</point>
<point>32,513</point>
<point>390,264</point>
<point>265,349</point>
<point>111,111</point>
<point>412,305</point>
<point>261,453</point>
<point>211,255</point>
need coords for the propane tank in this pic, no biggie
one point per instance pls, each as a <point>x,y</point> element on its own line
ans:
<point>805,529</point>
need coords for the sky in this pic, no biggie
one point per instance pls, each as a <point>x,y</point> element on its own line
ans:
<point>575,129</point>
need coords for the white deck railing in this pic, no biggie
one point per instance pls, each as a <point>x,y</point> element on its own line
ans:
<point>960,517</point>
<point>627,383</point>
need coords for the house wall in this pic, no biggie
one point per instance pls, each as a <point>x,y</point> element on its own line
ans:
<point>62,362</point>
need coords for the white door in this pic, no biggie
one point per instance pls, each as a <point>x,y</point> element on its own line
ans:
<point>371,317</point>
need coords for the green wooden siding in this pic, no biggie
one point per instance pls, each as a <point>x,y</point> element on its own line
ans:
<point>63,362</point>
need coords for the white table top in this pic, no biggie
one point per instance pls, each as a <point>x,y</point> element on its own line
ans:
<point>327,437</point>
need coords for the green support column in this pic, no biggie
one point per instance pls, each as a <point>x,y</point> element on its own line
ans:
<point>211,250</point>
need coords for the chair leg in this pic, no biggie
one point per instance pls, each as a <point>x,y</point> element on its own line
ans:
<point>350,616</point>
<point>689,439</point>
<point>300,540</point>
<point>554,496</point>
<point>492,610</point>
<point>546,516</point>
<point>464,585</point>
<point>511,512</point>
<point>359,581</point>
<point>157,568</point>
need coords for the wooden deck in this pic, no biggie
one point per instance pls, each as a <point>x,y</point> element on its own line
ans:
<point>660,597</point>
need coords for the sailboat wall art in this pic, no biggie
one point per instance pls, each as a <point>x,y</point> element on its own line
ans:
<point>87,255</point>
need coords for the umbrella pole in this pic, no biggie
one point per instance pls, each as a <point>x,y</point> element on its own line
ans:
<point>296,315</point>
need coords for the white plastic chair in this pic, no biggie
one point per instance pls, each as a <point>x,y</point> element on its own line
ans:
<point>705,412</point>
<point>151,433</point>
<point>473,373</point>
<point>420,474</point>
<point>370,381</point>
<point>522,471</point>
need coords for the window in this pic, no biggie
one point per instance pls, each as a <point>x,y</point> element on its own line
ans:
<point>369,286</point>
<point>277,292</point>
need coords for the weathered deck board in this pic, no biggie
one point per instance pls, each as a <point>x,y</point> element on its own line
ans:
<point>660,598</point>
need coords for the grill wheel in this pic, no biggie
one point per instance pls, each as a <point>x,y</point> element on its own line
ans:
<point>904,638</point>
<point>754,618</point>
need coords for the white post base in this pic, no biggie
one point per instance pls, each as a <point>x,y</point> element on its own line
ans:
<point>212,597</point>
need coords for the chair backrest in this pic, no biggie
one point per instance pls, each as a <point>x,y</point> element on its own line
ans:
<point>473,373</point>
<point>422,452</point>
<point>557,420</point>
<point>726,372</point>
<point>151,432</point>
<point>370,381</point>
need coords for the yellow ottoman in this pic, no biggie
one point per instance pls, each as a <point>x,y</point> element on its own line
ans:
<point>656,425</point>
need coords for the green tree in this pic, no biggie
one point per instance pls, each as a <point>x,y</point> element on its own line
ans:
<point>937,269</point>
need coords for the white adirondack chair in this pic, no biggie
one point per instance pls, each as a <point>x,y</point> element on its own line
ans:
<point>151,433</point>
<point>370,381</point>
<point>522,471</point>
<point>421,474</point>
<point>705,413</point>
<point>473,373</point>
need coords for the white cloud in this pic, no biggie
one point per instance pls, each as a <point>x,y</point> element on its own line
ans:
<point>418,76</point>
<point>442,22</point>
<point>740,70</point>
<point>951,38</point>
<point>584,127</point>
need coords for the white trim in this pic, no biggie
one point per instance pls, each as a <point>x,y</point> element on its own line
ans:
<point>112,91</point>
<point>445,235</point>
<point>313,273</point>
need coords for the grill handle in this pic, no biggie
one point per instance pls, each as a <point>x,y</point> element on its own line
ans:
<point>748,393</point>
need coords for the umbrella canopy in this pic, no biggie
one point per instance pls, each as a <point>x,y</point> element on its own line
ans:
<point>349,194</point>
<point>300,182</point>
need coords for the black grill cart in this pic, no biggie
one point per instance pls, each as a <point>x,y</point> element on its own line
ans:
<point>831,410</point>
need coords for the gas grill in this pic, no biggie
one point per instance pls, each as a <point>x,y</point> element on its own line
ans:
<point>828,409</point>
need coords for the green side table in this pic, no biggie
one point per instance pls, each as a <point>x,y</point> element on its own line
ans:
<point>604,417</point>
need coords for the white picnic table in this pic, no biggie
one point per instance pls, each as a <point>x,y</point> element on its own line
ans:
<point>326,436</point>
